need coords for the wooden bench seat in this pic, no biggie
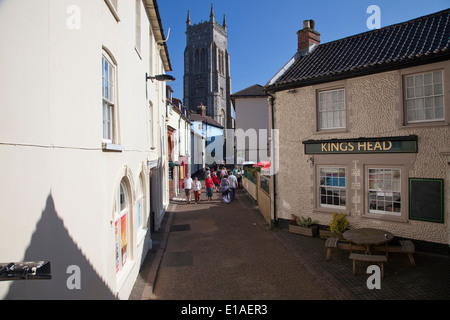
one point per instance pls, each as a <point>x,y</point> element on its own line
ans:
<point>406,246</point>
<point>333,243</point>
<point>378,259</point>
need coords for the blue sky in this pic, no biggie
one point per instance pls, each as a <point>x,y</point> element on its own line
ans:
<point>262,34</point>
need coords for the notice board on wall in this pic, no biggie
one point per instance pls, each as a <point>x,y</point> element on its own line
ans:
<point>426,199</point>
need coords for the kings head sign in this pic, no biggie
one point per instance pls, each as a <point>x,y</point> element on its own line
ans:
<point>407,144</point>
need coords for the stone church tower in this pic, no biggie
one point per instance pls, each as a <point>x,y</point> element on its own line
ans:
<point>207,69</point>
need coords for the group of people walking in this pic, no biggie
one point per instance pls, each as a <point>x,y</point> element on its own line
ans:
<point>221,180</point>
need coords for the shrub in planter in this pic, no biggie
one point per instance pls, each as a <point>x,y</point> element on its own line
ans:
<point>338,225</point>
<point>304,226</point>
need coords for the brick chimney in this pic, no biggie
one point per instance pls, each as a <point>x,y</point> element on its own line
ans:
<point>308,38</point>
<point>201,110</point>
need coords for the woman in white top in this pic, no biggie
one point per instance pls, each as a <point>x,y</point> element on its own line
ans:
<point>197,190</point>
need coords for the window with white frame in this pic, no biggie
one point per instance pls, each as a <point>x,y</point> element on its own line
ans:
<point>332,109</point>
<point>384,187</point>
<point>108,94</point>
<point>121,225</point>
<point>332,187</point>
<point>424,94</point>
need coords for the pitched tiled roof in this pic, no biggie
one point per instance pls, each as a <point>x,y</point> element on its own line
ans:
<point>422,40</point>
<point>255,90</point>
<point>207,119</point>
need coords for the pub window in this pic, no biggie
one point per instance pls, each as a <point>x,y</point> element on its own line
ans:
<point>332,186</point>
<point>424,95</point>
<point>332,109</point>
<point>385,191</point>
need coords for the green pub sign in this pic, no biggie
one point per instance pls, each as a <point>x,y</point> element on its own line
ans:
<point>406,144</point>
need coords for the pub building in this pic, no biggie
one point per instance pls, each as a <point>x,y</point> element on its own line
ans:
<point>363,126</point>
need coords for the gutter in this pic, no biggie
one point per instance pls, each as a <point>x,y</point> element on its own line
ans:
<point>275,216</point>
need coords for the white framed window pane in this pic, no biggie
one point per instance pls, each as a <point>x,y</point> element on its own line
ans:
<point>437,77</point>
<point>385,191</point>
<point>332,109</point>
<point>332,191</point>
<point>425,93</point>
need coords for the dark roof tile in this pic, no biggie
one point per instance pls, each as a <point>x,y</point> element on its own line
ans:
<point>424,38</point>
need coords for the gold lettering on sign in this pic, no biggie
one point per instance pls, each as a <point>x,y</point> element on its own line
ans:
<point>385,143</point>
<point>334,147</point>
<point>377,146</point>
<point>351,147</point>
<point>361,146</point>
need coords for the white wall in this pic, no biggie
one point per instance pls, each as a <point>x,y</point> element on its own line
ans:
<point>59,183</point>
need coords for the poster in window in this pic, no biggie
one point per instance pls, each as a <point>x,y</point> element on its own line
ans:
<point>123,231</point>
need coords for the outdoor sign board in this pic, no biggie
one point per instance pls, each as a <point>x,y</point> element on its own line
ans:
<point>406,144</point>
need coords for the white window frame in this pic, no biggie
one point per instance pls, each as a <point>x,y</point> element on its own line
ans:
<point>108,97</point>
<point>334,106</point>
<point>424,96</point>
<point>384,191</point>
<point>340,188</point>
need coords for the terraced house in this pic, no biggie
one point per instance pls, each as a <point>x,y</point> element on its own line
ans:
<point>83,143</point>
<point>364,129</point>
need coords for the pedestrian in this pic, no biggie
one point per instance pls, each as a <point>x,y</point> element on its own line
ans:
<point>223,172</point>
<point>232,180</point>
<point>225,185</point>
<point>197,187</point>
<point>209,187</point>
<point>239,177</point>
<point>187,187</point>
<point>216,181</point>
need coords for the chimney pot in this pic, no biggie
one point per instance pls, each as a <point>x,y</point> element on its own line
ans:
<point>308,37</point>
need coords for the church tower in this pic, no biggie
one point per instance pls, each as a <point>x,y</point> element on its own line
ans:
<point>207,78</point>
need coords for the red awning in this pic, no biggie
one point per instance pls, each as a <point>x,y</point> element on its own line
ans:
<point>263,164</point>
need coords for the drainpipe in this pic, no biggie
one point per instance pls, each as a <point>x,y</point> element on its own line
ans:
<point>275,216</point>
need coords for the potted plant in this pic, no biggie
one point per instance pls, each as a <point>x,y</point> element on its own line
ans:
<point>304,226</point>
<point>338,224</point>
<point>336,228</point>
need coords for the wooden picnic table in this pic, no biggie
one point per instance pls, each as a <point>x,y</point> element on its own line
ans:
<point>368,237</point>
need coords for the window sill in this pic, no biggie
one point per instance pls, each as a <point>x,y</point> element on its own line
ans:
<point>329,210</point>
<point>425,125</point>
<point>111,147</point>
<point>385,217</point>
<point>328,131</point>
